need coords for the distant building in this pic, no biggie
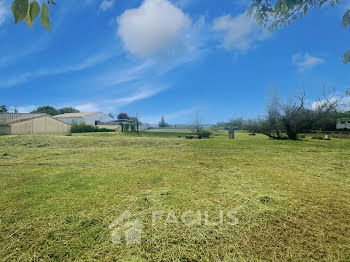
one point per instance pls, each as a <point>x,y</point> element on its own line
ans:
<point>20,124</point>
<point>94,118</point>
<point>343,124</point>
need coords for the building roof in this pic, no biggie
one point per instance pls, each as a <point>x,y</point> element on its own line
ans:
<point>76,114</point>
<point>10,118</point>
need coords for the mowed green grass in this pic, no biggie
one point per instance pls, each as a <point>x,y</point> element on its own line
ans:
<point>60,193</point>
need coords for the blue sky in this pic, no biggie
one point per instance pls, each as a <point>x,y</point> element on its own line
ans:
<point>174,57</point>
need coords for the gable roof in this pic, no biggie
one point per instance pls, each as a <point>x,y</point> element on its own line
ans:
<point>10,118</point>
<point>77,114</point>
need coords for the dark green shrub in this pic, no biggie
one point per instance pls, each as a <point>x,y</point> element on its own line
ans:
<point>204,134</point>
<point>84,128</point>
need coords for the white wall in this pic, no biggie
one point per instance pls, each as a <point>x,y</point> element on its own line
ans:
<point>89,120</point>
<point>345,125</point>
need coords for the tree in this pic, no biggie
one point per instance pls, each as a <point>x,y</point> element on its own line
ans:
<point>66,110</point>
<point>162,122</point>
<point>50,110</point>
<point>277,13</point>
<point>110,115</point>
<point>198,126</point>
<point>273,108</point>
<point>123,116</point>
<point>3,109</point>
<point>22,9</point>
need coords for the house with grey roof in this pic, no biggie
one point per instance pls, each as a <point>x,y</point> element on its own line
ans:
<point>27,123</point>
<point>93,118</point>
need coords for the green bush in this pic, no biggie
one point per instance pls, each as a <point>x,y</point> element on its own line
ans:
<point>84,128</point>
<point>204,134</point>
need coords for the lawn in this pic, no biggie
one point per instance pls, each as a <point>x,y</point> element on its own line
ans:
<point>59,194</point>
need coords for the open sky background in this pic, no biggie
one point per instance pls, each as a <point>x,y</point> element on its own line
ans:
<point>156,57</point>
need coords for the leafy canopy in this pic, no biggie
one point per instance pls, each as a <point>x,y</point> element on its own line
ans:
<point>3,109</point>
<point>277,13</point>
<point>50,110</point>
<point>23,9</point>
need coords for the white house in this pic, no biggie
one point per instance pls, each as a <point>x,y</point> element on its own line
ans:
<point>93,118</point>
<point>343,124</point>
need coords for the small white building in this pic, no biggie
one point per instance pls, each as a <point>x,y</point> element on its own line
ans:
<point>343,124</point>
<point>93,118</point>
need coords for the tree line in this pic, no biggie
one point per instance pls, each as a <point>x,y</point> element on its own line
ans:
<point>290,118</point>
<point>50,110</point>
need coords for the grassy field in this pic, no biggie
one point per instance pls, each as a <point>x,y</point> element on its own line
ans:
<point>59,195</point>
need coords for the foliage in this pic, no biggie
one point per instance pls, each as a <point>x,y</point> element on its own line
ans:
<point>110,115</point>
<point>66,110</point>
<point>23,9</point>
<point>50,110</point>
<point>236,123</point>
<point>204,134</point>
<point>277,13</point>
<point>123,116</point>
<point>3,109</point>
<point>126,128</point>
<point>84,128</point>
<point>293,118</point>
<point>162,122</point>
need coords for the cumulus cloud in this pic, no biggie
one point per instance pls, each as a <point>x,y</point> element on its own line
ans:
<point>106,4</point>
<point>155,27</point>
<point>238,33</point>
<point>306,61</point>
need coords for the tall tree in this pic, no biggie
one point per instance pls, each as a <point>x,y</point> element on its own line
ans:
<point>198,122</point>
<point>162,122</point>
<point>123,116</point>
<point>277,13</point>
<point>65,110</point>
<point>3,109</point>
<point>50,110</point>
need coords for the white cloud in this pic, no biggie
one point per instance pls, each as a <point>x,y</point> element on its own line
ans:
<point>112,105</point>
<point>4,12</point>
<point>106,4</point>
<point>88,107</point>
<point>239,33</point>
<point>306,61</point>
<point>145,92</point>
<point>23,109</point>
<point>117,77</point>
<point>343,102</point>
<point>89,62</point>
<point>153,28</point>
